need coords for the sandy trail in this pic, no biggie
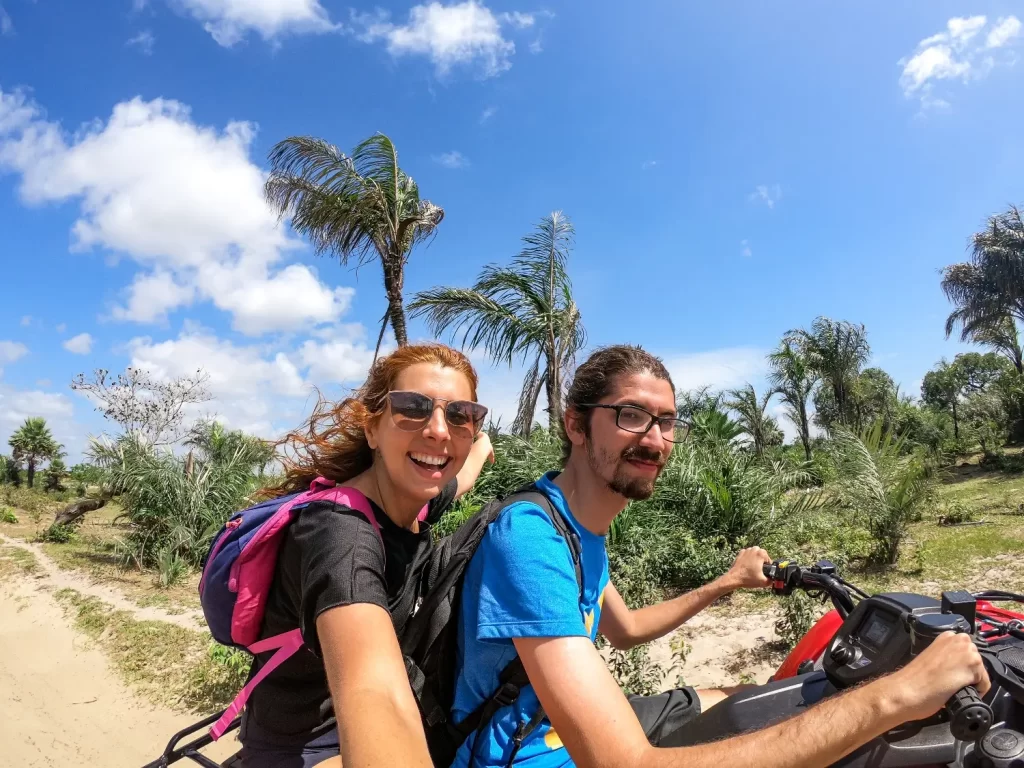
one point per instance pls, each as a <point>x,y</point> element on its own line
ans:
<point>61,703</point>
<point>61,579</point>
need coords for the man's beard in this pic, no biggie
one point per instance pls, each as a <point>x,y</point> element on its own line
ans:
<point>622,483</point>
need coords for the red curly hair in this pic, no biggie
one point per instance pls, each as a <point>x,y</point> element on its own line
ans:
<point>332,443</point>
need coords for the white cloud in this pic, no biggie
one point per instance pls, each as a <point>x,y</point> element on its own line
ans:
<point>6,24</point>
<point>487,114</point>
<point>959,53</point>
<point>26,320</point>
<point>61,327</point>
<point>453,160</point>
<point>461,34</point>
<point>536,46</point>
<point>720,368</point>
<point>80,344</point>
<point>181,199</point>
<point>745,249</point>
<point>1003,32</point>
<point>767,195</point>
<point>144,41</point>
<point>11,351</point>
<point>44,383</point>
<point>228,21</point>
<point>256,387</point>
<point>18,405</point>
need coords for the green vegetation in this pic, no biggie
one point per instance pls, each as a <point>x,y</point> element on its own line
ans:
<point>523,310</point>
<point>33,443</point>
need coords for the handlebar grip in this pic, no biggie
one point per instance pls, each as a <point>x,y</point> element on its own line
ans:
<point>766,569</point>
<point>969,716</point>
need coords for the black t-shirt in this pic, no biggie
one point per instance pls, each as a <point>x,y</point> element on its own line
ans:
<point>331,556</point>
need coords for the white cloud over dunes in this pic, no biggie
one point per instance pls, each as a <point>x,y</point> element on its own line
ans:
<point>968,49</point>
<point>181,199</point>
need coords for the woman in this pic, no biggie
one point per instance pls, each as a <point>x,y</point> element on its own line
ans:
<point>411,436</point>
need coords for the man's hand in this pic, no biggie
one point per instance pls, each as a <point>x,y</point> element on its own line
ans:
<point>924,686</point>
<point>746,572</point>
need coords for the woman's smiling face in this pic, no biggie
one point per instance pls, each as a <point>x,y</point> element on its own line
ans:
<point>420,463</point>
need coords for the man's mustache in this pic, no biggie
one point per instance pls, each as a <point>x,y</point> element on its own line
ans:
<point>640,453</point>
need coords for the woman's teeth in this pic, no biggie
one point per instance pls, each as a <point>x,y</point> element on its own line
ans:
<point>426,458</point>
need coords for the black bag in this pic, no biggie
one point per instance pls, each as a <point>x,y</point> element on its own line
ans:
<point>429,642</point>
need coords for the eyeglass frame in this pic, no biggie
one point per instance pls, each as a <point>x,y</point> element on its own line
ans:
<point>654,419</point>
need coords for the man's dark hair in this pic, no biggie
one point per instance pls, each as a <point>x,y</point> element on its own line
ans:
<point>595,380</point>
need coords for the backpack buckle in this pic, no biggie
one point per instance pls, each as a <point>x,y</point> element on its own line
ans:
<point>507,694</point>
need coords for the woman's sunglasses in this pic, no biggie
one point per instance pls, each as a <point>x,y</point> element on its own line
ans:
<point>411,411</point>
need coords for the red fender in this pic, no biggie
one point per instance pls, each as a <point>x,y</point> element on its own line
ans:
<point>812,645</point>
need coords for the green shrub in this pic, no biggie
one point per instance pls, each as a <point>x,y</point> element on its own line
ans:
<point>956,513</point>
<point>59,534</point>
<point>799,612</point>
<point>880,483</point>
<point>7,515</point>
<point>173,508</point>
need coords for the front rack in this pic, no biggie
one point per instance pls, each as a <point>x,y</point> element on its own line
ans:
<point>173,753</point>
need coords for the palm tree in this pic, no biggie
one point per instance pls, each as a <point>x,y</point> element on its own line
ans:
<point>792,379</point>
<point>988,291</point>
<point>523,310</point>
<point>32,443</point>
<point>835,350</point>
<point>753,418</point>
<point>362,206</point>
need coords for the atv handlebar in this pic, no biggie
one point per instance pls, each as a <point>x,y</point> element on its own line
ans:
<point>786,576</point>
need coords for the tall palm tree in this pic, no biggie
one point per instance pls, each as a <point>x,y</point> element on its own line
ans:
<point>988,291</point>
<point>33,443</point>
<point>792,379</point>
<point>362,206</point>
<point>753,418</point>
<point>524,310</point>
<point>835,350</point>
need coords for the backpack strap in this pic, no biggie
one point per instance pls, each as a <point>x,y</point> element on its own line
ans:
<point>513,678</point>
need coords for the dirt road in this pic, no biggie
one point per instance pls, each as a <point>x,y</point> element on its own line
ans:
<point>60,702</point>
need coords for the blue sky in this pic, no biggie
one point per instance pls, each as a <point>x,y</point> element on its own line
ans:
<point>742,167</point>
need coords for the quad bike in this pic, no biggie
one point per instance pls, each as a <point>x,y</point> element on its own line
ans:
<point>870,635</point>
<point>864,636</point>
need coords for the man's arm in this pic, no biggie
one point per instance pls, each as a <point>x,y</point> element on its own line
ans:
<point>479,454</point>
<point>626,628</point>
<point>598,727</point>
<point>378,720</point>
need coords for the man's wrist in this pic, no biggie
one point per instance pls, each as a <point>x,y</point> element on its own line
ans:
<point>887,700</point>
<point>725,584</point>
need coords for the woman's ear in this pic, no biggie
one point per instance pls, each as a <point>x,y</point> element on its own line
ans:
<point>371,432</point>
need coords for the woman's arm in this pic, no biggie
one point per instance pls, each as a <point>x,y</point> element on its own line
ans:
<point>378,720</point>
<point>481,452</point>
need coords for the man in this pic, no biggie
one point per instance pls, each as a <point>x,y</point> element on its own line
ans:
<point>521,597</point>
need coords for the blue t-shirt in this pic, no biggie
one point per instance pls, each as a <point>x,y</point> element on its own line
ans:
<point>521,583</point>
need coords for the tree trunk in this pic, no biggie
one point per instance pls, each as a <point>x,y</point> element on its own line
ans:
<point>956,423</point>
<point>805,432</point>
<point>31,471</point>
<point>76,510</point>
<point>394,278</point>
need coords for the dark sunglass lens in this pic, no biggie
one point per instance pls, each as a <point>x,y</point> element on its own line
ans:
<point>463,414</point>
<point>410,407</point>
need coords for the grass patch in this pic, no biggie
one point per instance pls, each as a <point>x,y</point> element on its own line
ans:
<point>169,665</point>
<point>98,558</point>
<point>15,561</point>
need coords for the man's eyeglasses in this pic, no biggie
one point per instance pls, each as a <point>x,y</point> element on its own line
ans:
<point>633,418</point>
<point>411,412</point>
